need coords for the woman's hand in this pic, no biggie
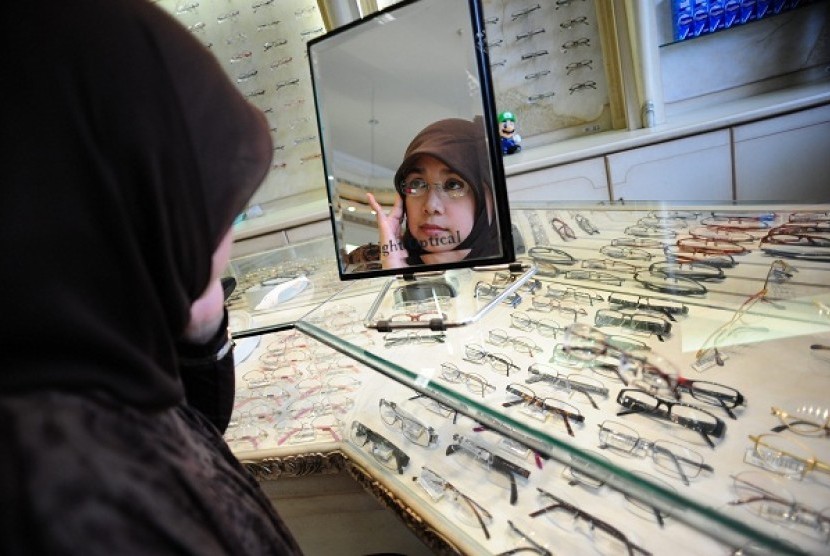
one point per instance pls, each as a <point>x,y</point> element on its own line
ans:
<point>208,311</point>
<point>392,251</point>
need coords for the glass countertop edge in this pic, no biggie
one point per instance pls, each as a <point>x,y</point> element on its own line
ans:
<point>732,532</point>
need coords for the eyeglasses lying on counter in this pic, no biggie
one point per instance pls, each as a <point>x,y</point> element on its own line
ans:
<point>402,337</point>
<point>742,222</point>
<point>711,393</point>
<point>565,232</point>
<point>573,294</point>
<point>683,414</point>
<point>669,457</point>
<point>673,284</point>
<point>606,537</point>
<point>785,456</point>
<point>540,408</point>
<point>806,420</point>
<point>712,246</point>
<point>720,260</point>
<point>586,473</point>
<point>692,270</point>
<point>611,265</point>
<point>384,451</point>
<point>499,337</point>
<point>641,231</point>
<point>721,234</point>
<point>490,461</point>
<point>550,255</point>
<point>411,428</point>
<point>475,383</point>
<point>568,384</point>
<point>625,253</point>
<point>548,304</point>
<point>474,353</point>
<point>467,509</point>
<point>599,277</point>
<point>638,242</point>
<point>765,496</point>
<point>641,322</point>
<point>666,306</point>
<point>484,290</point>
<point>586,225</point>
<point>545,327</point>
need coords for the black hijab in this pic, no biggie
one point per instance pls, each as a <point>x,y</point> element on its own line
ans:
<point>461,145</point>
<point>127,153</point>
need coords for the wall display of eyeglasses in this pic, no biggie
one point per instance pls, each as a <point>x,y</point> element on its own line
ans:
<point>261,44</point>
<point>549,68</point>
<point>659,385</point>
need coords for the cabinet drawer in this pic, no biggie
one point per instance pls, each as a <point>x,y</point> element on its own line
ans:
<point>784,158</point>
<point>579,181</point>
<point>697,168</point>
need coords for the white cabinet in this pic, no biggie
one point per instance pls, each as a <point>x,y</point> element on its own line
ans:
<point>577,181</point>
<point>785,158</point>
<point>697,168</point>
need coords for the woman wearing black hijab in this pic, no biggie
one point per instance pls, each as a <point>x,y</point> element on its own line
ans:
<point>444,209</point>
<point>127,154</point>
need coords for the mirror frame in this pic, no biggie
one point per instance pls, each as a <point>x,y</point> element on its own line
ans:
<point>501,212</point>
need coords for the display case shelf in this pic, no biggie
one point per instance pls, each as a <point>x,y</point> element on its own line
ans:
<point>775,356</point>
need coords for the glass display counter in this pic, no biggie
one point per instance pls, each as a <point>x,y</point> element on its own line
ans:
<point>659,385</point>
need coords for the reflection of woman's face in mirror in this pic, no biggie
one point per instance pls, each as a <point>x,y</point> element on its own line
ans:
<point>439,206</point>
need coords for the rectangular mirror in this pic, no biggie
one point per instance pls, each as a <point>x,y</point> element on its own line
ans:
<point>410,141</point>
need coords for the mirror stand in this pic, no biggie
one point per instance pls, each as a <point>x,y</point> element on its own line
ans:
<point>437,301</point>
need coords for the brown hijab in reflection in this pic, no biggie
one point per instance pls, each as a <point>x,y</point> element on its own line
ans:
<point>461,145</point>
<point>115,194</point>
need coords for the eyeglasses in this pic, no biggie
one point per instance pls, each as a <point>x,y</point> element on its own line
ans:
<point>664,306</point>
<point>467,509</point>
<point>673,284</point>
<point>807,420</point>
<point>418,317</point>
<point>784,456</point>
<point>538,406</point>
<point>401,337</point>
<point>690,270</point>
<point>485,457</point>
<point>453,188</point>
<point>638,242</point>
<point>545,327</point>
<point>650,232</point>
<point>641,322</point>
<point>712,393</point>
<point>505,278</point>
<point>651,371</point>
<point>474,383</point>
<point>721,234</point>
<point>779,271</point>
<point>714,246</point>
<point>568,384</point>
<point>685,415</point>
<point>437,407</point>
<point>764,496</point>
<point>739,221</point>
<point>718,260</point>
<point>412,429</point>
<point>499,337</point>
<point>670,458</point>
<point>548,305</point>
<point>565,232</point>
<point>574,295</point>
<point>299,433</point>
<point>384,451</point>
<point>491,291</point>
<point>627,253</point>
<point>550,255</point>
<point>594,276</point>
<point>604,535</point>
<point>582,221</point>
<point>474,353</point>
<point>611,265</point>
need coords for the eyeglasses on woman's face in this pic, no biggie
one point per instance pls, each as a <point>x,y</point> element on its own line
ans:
<point>418,187</point>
